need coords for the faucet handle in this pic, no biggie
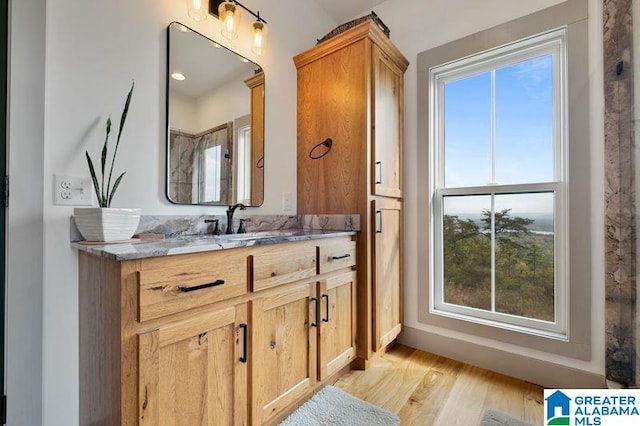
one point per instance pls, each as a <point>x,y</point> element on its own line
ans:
<point>216,228</point>
<point>241,228</point>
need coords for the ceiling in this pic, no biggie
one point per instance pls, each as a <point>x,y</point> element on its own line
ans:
<point>205,64</point>
<point>343,10</point>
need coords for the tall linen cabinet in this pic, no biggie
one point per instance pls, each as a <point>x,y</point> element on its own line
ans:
<point>350,89</point>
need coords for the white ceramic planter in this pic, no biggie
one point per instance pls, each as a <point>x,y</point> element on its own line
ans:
<point>106,224</point>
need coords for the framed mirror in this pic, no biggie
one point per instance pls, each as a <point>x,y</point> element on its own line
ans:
<point>215,121</point>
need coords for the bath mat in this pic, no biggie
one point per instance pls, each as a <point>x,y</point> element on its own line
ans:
<point>496,418</point>
<point>331,406</point>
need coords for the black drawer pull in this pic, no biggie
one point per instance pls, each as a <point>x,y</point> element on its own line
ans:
<point>379,180</point>
<point>201,286</point>
<point>379,230</point>
<point>344,256</point>
<point>243,358</point>
<point>326,318</point>
<point>315,301</point>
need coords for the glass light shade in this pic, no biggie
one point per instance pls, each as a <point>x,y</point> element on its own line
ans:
<point>229,16</point>
<point>259,33</point>
<point>198,10</point>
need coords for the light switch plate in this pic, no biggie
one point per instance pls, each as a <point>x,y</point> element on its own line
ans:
<point>72,191</point>
<point>286,201</point>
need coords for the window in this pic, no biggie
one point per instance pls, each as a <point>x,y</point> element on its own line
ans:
<point>212,173</point>
<point>499,187</point>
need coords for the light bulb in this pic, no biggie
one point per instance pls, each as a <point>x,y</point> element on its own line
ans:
<point>258,38</point>
<point>229,16</point>
<point>197,10</point>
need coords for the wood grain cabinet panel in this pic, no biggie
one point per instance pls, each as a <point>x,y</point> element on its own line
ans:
<point>284,345</point>
<point>387,282</point>
<point>387,133</point>
<point>337,326</point>
<point>246,358</point>
<point>275,265</point>
<point>166,287</point>
<point>351,89</point>
<point>191,372</point>
<point>336,255</point>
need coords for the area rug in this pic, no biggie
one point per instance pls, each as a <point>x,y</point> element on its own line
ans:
<point>496,418</point>
<point>331,406</point>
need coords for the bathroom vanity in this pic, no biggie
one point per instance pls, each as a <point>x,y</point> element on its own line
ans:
<point>233,329</point>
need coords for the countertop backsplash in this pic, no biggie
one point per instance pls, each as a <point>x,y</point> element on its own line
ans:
<point>178,226</point>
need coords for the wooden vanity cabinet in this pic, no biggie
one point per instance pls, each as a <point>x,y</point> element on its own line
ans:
<point>388,82</point>
<point>350,89</point>
<point>337,324</point>
<point>194,371</point>
<point>303,329</point>
<point>182,340</point>
<point>284,350</point>
<point>387,276</point>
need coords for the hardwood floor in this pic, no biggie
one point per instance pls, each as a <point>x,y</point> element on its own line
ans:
<point>426,389</point>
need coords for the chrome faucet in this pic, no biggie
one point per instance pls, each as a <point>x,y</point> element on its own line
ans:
<point>230,212</point>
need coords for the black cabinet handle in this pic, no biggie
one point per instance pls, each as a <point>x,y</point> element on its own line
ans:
<point>379,230</point>
<point>344,256</point>
<point>243,358</point>
<point>379,165</point>
<point>315,301</point>
<point>326,318</point>
<point>200,287</point>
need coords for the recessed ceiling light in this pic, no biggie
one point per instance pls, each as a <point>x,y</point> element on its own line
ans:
<point>178,76</point>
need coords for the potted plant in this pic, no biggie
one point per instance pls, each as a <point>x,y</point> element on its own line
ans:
<point>105,223</point>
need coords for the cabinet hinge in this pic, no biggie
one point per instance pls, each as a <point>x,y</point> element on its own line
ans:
<point>3,409</point>
<point>5,191</point>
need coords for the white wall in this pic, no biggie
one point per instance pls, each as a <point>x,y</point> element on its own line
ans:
<point>24,216</point>
<point>437,22</point>
<point>183,112</point>
<point>223,104</point>
<point>94,49</point>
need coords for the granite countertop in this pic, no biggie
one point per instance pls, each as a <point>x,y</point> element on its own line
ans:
<point>200,243</point>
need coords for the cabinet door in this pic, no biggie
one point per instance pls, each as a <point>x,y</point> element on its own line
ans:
<point>387,277</point>
<point>337,345</point>
<point>387,126</point>
<point>284,340</point>
<point>194,372</point>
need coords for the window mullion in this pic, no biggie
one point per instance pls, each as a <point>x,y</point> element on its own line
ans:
<point>493,127</point>
<point>493,252</point>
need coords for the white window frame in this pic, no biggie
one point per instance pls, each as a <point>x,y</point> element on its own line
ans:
<point>554,43</point>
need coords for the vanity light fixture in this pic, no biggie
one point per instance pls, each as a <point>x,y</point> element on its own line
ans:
<point>178,76</point>
<point>258,36</point>
<point>197,10</point>
<point>228,13</point>
<point>229,16</point>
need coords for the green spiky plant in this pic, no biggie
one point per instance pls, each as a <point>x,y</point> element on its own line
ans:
<point>105,194</point>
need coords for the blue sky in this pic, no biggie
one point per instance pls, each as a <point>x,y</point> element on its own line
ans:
<point>524,132</point>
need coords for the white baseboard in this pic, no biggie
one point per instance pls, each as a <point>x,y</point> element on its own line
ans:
<point>543,373</point>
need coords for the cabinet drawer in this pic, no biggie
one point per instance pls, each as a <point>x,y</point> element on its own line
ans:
<point>283,263</point>
<point>170,285</point>
<point>337,255</point>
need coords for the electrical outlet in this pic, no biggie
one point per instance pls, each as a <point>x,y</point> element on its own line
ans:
<point>71,191</point>
<point>286,201</point>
